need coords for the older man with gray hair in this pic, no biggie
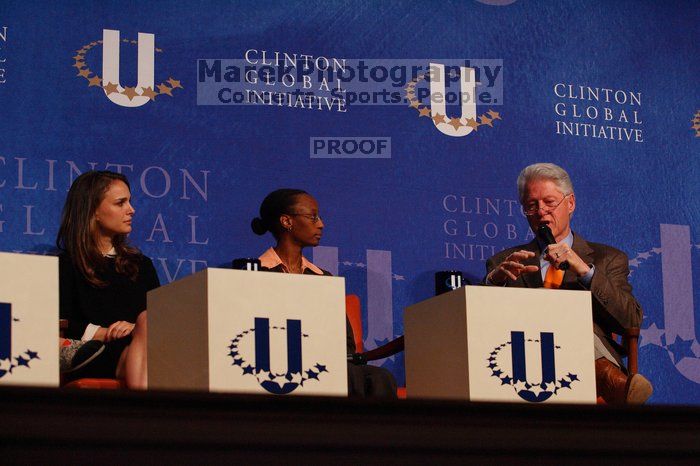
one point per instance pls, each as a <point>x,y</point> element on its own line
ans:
<point>547,196</point>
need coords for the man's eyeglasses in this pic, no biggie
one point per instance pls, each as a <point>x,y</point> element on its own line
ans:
<point>548,206</point>
<point>313,217</point>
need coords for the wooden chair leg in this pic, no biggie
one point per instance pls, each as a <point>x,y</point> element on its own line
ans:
<point>632,337</point>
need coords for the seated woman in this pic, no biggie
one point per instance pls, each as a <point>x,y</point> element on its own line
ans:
<point>103,280</point>
<point>291,215</point>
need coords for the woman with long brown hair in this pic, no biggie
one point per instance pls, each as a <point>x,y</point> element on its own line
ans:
<point>104,280</point>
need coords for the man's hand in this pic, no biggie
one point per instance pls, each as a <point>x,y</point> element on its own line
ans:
<point>561,252</point>
<point>512,267</point>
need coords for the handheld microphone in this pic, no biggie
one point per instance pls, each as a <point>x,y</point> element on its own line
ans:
<point>544,233</point>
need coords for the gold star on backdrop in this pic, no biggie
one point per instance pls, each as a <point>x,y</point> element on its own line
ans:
<point>95,81</point>
<point>486,120</point>
<point>438,118</point>
<point>110,88</point>
<point>130,92</point>
<point>455,123</point>
<point>148,92</point>
<point>163,89</point>
<point>174,83</point>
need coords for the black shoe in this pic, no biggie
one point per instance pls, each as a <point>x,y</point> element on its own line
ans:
<point>86,354</point>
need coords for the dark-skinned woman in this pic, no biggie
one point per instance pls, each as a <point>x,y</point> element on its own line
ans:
<point>291,215</point>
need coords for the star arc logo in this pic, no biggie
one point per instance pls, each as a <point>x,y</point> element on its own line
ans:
<point>130,96</point>
<point>534,391</point>
<point>451,126</point>
<point>275,382</point>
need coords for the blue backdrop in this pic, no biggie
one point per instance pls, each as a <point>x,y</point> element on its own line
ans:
<point>608,90</point>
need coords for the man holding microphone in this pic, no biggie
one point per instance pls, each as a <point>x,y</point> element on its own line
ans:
<point>559,258</point>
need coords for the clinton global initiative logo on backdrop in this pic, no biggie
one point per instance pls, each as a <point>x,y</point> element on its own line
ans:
<point>145,89</point>
<point>273,78</point>
<point>669,319</point>
<point>476,225</point>
<point>598,112</point>
<point>254,344</point>
<point>534,388</point>
<point>466,96</point>
<point>9,362</point>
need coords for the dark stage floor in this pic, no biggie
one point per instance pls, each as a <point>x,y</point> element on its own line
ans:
<point>60,426</point>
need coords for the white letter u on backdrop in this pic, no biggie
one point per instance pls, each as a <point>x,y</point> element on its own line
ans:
<point>145,70</point>
<point>437,105</point>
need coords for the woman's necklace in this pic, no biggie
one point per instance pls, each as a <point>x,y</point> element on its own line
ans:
<point>288,265</point>
<point>296,269</point>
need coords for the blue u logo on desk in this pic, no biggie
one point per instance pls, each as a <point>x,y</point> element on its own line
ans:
<point>5,331</point>
<point>277,383</point>
<point>520,368</point>
<point>262,354</point>
<point>529,390</point>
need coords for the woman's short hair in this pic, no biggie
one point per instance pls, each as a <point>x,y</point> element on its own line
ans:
<point>545,171</point>
<point>77,234</point>
<point>274,205</point>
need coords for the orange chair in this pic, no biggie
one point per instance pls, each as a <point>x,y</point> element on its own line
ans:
<point>354,313</point>
<point>104,384</point>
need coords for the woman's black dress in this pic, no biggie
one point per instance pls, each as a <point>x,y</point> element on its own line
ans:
<point>83,303</point>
